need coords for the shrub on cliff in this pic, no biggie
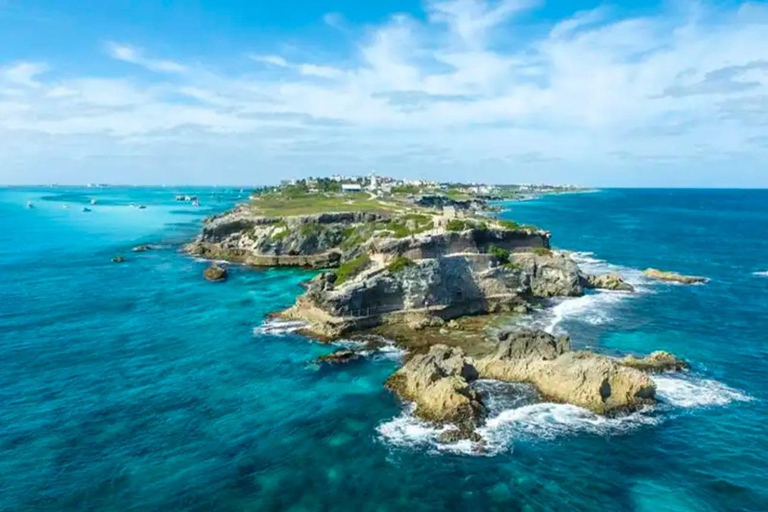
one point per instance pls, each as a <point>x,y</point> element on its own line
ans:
<point>400,263</point>
<point>542,251</point>
<point>501,254</point>
<point>351,268</point>
<point>456,225</point>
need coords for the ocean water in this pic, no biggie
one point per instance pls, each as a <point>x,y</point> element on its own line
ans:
<point>141,387</point>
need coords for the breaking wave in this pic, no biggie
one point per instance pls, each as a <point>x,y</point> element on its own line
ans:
<point>762,273</point>
<point>279,326</point>
<point>512,416</point>
<point>686,392</point>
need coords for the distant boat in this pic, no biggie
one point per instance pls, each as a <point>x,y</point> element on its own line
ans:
<point>93,201</point>
<point>65,206</point>
<point>142,207</point>
<point>30,204</point>
<point>195,203</point>
<point>86,209</point>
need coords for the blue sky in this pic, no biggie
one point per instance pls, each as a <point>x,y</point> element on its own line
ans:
<point>639,93</point>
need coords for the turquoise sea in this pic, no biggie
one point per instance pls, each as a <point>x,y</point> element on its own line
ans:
<point>141,387</point>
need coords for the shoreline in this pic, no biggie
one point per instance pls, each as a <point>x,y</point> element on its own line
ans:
<point>442,294</point>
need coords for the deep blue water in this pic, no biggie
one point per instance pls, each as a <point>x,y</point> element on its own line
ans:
<point>141,387</point>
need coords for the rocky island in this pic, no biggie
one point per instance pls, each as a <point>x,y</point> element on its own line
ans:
<point>427,266</point>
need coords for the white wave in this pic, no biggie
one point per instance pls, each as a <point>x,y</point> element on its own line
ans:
<point>762,273</point>
<point>550,420</point>
<point>278,326</point>
<point>592,308</point>
<point>407,431</point>
<point>690,392</point>
<point>591,265</point>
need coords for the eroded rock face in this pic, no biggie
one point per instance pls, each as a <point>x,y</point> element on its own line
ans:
<point>588,380</point>
<point>438,383</point>
<point>611,281</point>
<point>657,362</point>
<point>307,241</point>
<point>550,273</point>
<point>673,276</point>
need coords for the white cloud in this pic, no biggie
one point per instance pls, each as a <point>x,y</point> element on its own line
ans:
<point>127,53</point>
<point>598,93</point>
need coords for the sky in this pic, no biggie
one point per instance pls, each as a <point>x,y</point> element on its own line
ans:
<point>640,93</point>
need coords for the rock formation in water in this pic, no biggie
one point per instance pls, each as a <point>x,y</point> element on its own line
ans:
<point>610,281</point>
<point>673,276</point>
<point>215,273</point>
<point>658,361</point>
<point>439,382</point>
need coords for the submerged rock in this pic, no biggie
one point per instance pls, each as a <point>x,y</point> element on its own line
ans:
<point>611,281</point>
<point>142,248</point>
<point>118,259</point>
<point>341,356</point>
<point>673,276</point>
<point>658,361</point>
<point>215,273</point>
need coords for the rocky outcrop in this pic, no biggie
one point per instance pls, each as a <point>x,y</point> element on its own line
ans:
<point>470,241</point>
<point>313,241</point>
<point>440,201</point>
<point>673,276</point>
<point>429,291</point>
<point>611,281</point>
<point>657,362</point>
<point>438,383</point>
<point>585,379</point>
<point>550,273</point>
<point>215,273</point>
<point>118,259</point>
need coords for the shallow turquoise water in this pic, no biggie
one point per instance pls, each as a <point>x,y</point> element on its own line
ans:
<point>141,387</point>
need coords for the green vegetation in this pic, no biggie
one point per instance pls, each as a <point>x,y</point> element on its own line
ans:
<point>310,228</point>
<point>294,200</point>
<point>406,189</point>
<point>510,224</point>
<point>501,254</point>
<point>400,263</point>
<point>542,251</point>
<point>457,225</point>
<point>350,269</point>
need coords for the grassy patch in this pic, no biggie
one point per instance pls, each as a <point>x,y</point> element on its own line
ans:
<point>350,269</point>
<point>457,225</point>
<point>502,255</point>
<point>296,202</point>
<point>542,251</point>
<point>400,263</point>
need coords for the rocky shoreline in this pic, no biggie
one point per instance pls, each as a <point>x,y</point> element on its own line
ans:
<point>419,276</point>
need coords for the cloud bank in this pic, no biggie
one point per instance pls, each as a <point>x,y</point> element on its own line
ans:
<point>471,90</point>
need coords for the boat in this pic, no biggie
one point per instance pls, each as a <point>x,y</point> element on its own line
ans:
<point>65,206</point>
<point>86,209</point>
<point>30,204</point>
<point>142,207</point>
<point>93,201</point>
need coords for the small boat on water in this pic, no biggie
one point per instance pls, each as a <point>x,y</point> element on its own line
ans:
<point>93,201</point>
<point>65,206</point>
<point>142,207</point>
<point>30,204</point>
<point>86,209</point>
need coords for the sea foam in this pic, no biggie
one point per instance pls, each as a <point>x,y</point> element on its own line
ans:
<point>762,273</point>
<point>279,326</point>
<point>690,392</point>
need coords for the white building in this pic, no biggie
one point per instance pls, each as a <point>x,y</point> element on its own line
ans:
<point>351,187</point>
